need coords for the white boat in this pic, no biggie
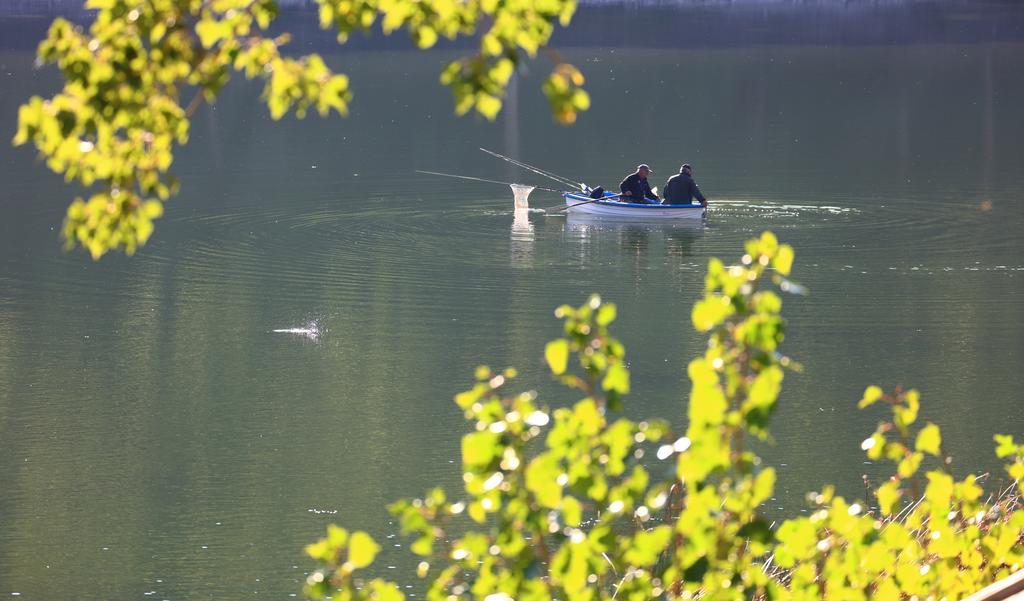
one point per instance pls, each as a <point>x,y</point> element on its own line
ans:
<point>581,203</point>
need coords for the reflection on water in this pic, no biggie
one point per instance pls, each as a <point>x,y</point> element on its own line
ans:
<point>635,246</point>
<point>679,241</point>
<point>521,238</point>
<point>634,235</point>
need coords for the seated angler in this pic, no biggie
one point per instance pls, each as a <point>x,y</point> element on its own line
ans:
<point>681,189</point>
<point>635,187</point>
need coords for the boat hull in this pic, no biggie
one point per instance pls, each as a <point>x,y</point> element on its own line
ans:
<point>579,204</point>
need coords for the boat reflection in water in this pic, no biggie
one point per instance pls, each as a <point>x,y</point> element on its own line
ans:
<point>637,240</point>
<point>521,239</point>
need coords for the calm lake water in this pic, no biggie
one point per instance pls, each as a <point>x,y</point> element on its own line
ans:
<point>160,439</point>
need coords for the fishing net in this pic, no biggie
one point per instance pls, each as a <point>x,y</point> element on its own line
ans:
<point>522,195</point>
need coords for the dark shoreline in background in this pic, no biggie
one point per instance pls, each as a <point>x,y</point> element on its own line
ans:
<point>708,23</point>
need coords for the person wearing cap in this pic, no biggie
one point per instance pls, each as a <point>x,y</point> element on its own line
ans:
<point>635,187</point>
<point>681,189</point>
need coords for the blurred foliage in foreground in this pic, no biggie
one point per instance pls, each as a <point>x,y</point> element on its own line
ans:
<point>564,504</point>
<point>125,103</point>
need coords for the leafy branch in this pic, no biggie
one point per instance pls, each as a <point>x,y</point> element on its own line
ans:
<point>116,122</point>
<point>608,508</point>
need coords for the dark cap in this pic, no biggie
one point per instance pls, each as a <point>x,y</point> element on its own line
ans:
<point>644,166</point>
<point>685,167</point>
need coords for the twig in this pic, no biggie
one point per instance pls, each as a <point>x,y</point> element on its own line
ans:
<point>193,106</point>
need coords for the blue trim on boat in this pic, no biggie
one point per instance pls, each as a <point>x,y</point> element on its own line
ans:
<point>615,203</point>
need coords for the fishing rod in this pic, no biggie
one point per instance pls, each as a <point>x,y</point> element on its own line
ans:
<point>489,181</point>
<point>538,170</point>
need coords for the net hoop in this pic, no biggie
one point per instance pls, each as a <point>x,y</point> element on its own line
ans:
<point>522,195</point>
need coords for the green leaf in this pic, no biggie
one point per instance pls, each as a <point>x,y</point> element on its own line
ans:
<point>1006,446</point>
<point>488,105</point>
<point>362,549</point>
<point>572,511</point>
<point>157,33</point>
<point>783,261</point>
<point>606,314</point>
<point>907,414</point>
<point>336,536</point>
<point>764,486</point>
<point>968,490</point>
<point>1016,471</point>
<point>479,449</point>
<point>943,542</point>
<point>581,100</point>
<point>477,512</point>
<point>617,379</point>
<point>707,405</point>
<point>766,387</point>
<point>798,538</point>
<point>423,546</point>
<point>647,546</point>
<point>872,394</point>
<point>929,440</point>
<point>909,464</point>
<point>542,480</point>
<point>426,37</point>
<point>557,355</point>
<point>710,312</point>
<point>939,491</point>
<point>888,495</point>
<point>385,591</point>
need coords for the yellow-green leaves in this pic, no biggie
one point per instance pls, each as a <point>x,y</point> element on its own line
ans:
<point>121,112</point>
<point>557,355</point>
<point>929,440</point>
<point>128,94</point>
<point>1007,448</point>
<point>871,394</point>
<point>601,357</point>
<point>327,549</point>
<point>116,220</point>
<point>939,492</point>
<point>362,549</point>
<point>580,518</point>
<point>783,259</point>
<point>339,555</point>
<point>478,449</point>
<point>647,546</point>
<point>565,93</point>
<point>908,465</point>
<point>798,541</point>
<point>300,84</point>
<point>735,388</point>
<point>711,311</point>
<point>760,401</point>
<point>905,409</point>
<point>616,380</point>
<point>708,403</point>
<point>888,495</point>
<point>542,480</point>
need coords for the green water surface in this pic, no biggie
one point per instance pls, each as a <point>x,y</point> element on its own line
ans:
<point>158,438</point>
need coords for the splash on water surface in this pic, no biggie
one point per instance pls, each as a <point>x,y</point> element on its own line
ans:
<point>312,329</point>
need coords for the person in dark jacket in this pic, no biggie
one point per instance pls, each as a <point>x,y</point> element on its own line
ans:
<point>681,189</point>
<point>635,187</point>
